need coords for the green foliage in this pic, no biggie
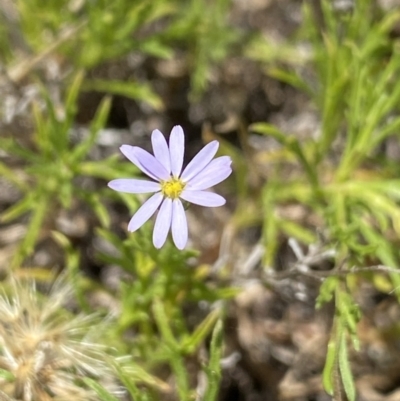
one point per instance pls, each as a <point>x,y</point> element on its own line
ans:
<point>213,370</point>
<point>100,31</point>
<point>338,365</point>
<point>340,175</point>
<point>82,36</point>
<point>108,27</point>
<point>52,166</point>
<point>358,205</point>
<point>131,90</point>
<point>204,30</point>
<point>152,304</point>
<point>103,394</point>
<point>356,92</point>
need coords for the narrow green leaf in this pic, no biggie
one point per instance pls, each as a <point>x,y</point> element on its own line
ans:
<point>269,129</point>
<point>107,169</point>
<point>134,90</point>
<point>201,332</point>
<point>40,210</point>
<point>12,176</point>
<point>128,382</point>
<point>345,369</point>
<point>163,325</point>
<point>72,96</point>
<point>391,128</point>
<point>328,372</point>
<point>290,78</point>
<point>97,124</point>
<point>99,209</point>
<point>18,209</point>
<point>213,370</point>
<point>42,137</point>
<point>10,145</point>
<point>133,373</point>
<point>298,231</point>
<point>157,49</point>
<point>172,348</point>
<point>99,389</point>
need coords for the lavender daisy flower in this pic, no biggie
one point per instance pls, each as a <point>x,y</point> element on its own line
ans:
<point>170,184</point>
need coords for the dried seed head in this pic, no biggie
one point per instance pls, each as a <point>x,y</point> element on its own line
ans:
<point>45,350</point>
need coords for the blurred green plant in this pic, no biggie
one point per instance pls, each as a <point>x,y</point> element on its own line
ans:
<point>158,288</point>
<point>345,178</point>
<point>162,282</point>
<point>6,33</point>
<point>346,61</point>
<point>51,167</point>
<point>205,32</point>
<point>110,31</point>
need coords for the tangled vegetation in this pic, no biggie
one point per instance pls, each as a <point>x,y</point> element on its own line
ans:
<point>290,290</point>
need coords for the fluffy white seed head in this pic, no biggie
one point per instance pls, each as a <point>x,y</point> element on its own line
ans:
<point>45,350</point>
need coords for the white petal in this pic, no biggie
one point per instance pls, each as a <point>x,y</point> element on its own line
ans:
<point>203,198</point>
<point>200,161</point>
<point>145,212</point>
<point>163,223</point>
<point>160,149</point>
<point>176,149</point>
<point>132,186</point>
<point>179,224</point>
<point>145,162</point>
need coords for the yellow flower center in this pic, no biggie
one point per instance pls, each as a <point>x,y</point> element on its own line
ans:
<point>172,188</point>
